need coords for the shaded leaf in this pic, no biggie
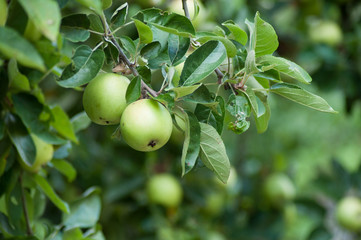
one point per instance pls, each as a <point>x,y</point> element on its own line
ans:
<point>74,27</point>
<point>80,121</point>
<point>184,91</point>
<point>119,16</point>
<point>65,168</point>
<point>239,108</point>
<point>18,80</point>
<point>95,5</point>
<point>3,12</point>
<point>213,152</point>
<point>62,124</point>
<point>134,90</point>
<point>177,47</point>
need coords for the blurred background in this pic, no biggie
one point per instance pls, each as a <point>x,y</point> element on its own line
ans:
<point>285,183</point>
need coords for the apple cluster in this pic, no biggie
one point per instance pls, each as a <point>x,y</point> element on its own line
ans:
<point>145,125</point>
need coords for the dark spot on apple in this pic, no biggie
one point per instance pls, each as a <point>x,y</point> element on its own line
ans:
<point>152,143</point>
<point>107,122</point>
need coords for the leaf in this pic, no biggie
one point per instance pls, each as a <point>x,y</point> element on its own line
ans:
<point>263,38</point>
<point>12,45</point>
<point>144,32</point>
<point>84,212</point>
<point>213,152</point>
<point>228,44</point>
<point>202,62</point>
<point>168,22</point>
<point>237,33</point>
<point>18,80</point>
<point>95,5</point>
<point>21,139</point>
<point>177,47</point>
<point>250,64</point>
<point>51,194</point>
<point>62,124</point>
<point>45,15</point>
<point>184,91</point>
<point>201,95</point>
<point>285,66</point>
<point>65,168</point>
<point>86,65</point>
<point>80,121</point>
<point>145,73</point>
<point>73,234</point>
<point>134,90</point>
<point>29,109</point>
<point>263,120</point>
<point>106,4</point>
<point>74,27</point>
<point>119,16</point>
<point>301,96</point>
<point>3,12</point>
<point>264,77</point>
<point>239,108</point>
<point>191,145</point>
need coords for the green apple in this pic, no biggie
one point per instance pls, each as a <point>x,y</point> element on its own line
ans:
<point>279,189</point>
<point>44,153</point>
<point>146,125</point>
<point>104,98</point>
<point>326,32</point>
<point>215,203</point>
<point>348,213</point>
<point>164,189</point>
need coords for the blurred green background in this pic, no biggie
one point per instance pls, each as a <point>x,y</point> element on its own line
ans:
<point>319,152</point>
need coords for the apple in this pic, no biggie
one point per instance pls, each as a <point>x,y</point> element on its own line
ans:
<point>146,125</point>
<point>215,203</point>
<point>348,213</point>
<point>164,189</point>
<point>177,136</point>
<point>279,189</point>
<point>327,32</point>
<point>44,153</point>
<point>104,98</point>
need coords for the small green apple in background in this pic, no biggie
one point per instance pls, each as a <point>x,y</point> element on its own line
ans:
<point>348,213</point>
<point>146,125</point>
<point>44,153</point>
<point>104,98</point>
<point>279,189</point>
<point>164,189</point>
<point>327,32</point>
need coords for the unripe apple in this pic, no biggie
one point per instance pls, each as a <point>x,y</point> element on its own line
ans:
<point>327,32</point>
<point>146,125</point>
<point>279,189</point>
<point>44,153</point>
<point>348,213</point>
<point>164,189</point>
<point>104,98</point>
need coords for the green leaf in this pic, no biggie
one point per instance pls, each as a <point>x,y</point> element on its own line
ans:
<point>17,17</point>
<point>202,62</point>
<point>95,5</point>
<point>134,90</point>
<point>21,139</point>
<point>191,145</point>
<point>184,91</point>
<point>80,121</point>
<point>151,50</point>
<point>239,108</point>
<point>84,212</point>
<point>29,109</point>
<point>250,64</point>
<point>168,22</point>
<point>144,32</point>
<point>3,12</point>
<point>264,77</point>
<point>145,73</point>
<point>301,96</point>
<point>213,152</point>
<point>73,234</point>
<point>74,27</point>
<point>177,47</point>
<point>237,33</point>
<point>62,124</point>
<point>65,168</point>
<point>263,120</point>
<point>263,38</point>
<point>12,45</point>
<point>49,52</point>
<point>201,95</point>
<point>119,16</point>
<point>86,65</point>
<point>51,194</point>
<point>45,15</point>
<point>95,23</point>
<point>228,44</point>
<point>285,66</point>
<point>18,80</point>
<point>106,4</point>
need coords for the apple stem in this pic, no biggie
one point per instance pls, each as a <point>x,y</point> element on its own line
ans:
<point>25,208</point>
<point>108,36</point>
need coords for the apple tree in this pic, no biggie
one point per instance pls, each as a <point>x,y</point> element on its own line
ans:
<point>169,77</point>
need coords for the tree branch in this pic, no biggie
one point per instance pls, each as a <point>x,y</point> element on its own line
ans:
<point>108,36</point>
<point>185,8</point>
<point>29,231</point>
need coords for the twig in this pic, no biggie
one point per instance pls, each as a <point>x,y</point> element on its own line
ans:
<point>219,75</point>
<point>185,8</point>
<point>122,57</point>
<point>29,231</point>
